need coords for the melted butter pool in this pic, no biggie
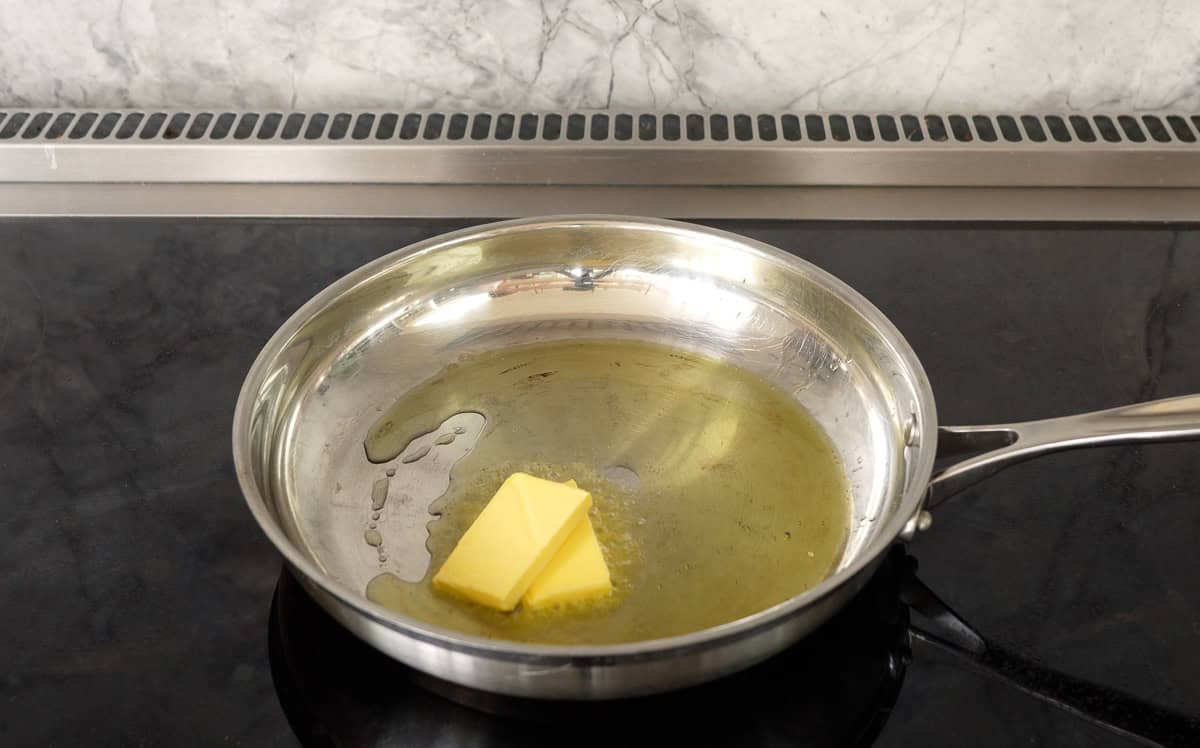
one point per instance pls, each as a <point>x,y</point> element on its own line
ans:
<point>737,500</point>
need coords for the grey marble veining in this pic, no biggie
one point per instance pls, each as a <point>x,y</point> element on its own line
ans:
<point>668,54</point>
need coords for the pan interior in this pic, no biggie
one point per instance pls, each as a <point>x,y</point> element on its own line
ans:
<point>370,340</point>
<point>714,495</point>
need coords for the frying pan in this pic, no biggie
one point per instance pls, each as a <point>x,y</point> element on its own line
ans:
<point>315,389</point>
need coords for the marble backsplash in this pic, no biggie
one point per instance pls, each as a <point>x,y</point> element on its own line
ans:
<point>763,55</point>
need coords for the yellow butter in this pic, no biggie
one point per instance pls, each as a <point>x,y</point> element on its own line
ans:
<point>577,572</point>
<point>512,540</point>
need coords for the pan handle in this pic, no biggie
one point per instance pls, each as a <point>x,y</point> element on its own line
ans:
<point>996,447</point>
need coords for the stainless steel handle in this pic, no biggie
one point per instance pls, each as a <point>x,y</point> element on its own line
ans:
<point>997,447</point>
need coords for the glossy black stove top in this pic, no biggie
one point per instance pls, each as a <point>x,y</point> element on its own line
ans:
<point>835,688</point>
<point>142,606</point>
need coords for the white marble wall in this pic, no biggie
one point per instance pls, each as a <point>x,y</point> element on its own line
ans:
<point>662,54</point>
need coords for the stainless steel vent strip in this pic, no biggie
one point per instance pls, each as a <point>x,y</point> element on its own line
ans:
<point>63,162</point>
<point>1116,205</point>
<point>1149,129</point>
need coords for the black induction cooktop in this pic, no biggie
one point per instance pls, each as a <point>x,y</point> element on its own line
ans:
<point>141,606</point>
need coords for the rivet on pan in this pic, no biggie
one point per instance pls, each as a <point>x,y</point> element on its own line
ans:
<point>924,520</point>
<point>912,437</point>
<point>921,522</point>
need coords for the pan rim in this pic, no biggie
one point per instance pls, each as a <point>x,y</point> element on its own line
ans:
<point>909,504</point>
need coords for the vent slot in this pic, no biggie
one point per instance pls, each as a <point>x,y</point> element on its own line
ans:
<point>936,128</point>
<point>1108,130</point>
<point>504,126</point>
<point>1156,128</point>
<point>623,127</point>
<point>456,127</point>
<point>718,127</point>
<point>912,128</point>
<point>647,127</point>
<point>862,128</point>
<point>1129,126</point>
<point>671,127</point>
<point>985,128</point>
<point>362,126</point>
<point>36,125</point>
<point>552,127</point>
<point>576,126</point>
<point>199,126</point>
<point>887,128</point>
<point>269,126</point>
<point>481,127</point>
<point>387,126</point>
<point>433,126</point>
<point>815,126</point>
<point>339,126</point>
<point>1009,128</point>
<point>153,124</point>
<point>1033,128</point>
<point>1083,129</point>
<point>1058,129</point>
<point>791,127</point>
<point>127,128</point>
<point>960,129</point>
<point>1180,127</point>
<point>106,126</point>
<point>527,130</point>
<point>223,124</point>
<point>175,126</point>
<point>292,126</point>
<point>599,127</point>
<point>59,127</point>
<point>745,128</point>
<point>410,126</point>
<point>316,127</point>
<point>839,128</point>
<point>245,127</point>
<point>83,125</point>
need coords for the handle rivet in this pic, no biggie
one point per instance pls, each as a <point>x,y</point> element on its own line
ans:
<point>920,522</point>
<point>924,521</point>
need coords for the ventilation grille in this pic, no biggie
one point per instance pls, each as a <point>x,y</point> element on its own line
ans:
<point>595,127</point>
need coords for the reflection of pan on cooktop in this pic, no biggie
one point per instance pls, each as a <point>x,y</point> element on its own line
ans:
<point>836,687</point>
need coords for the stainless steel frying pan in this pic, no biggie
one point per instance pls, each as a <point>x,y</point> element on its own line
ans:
<point>315,388</point>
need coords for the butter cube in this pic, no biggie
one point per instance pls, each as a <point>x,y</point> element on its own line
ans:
<point>512,540</point>
<point>577,572</point>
